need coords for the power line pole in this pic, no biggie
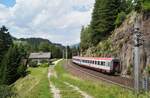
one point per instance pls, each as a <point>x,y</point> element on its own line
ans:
<point>137,44</point>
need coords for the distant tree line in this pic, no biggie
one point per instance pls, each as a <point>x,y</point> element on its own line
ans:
<point>44,45</point>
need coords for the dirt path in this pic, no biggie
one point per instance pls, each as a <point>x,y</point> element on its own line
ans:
<point>54,90</point>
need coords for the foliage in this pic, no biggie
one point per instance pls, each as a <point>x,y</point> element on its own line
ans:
<point>146,5</point>
<point>44,47</point>
<point>34,43</point>
<point>22,70</point>
<point>10,63</point>
<point>148,69</point>
<point>44,61</point>
<point>129,69</point>
<point>85,38</point>
<point>56,51</point>
<point>5,41</point>
<point>126,6</point>
<point>10,58</point>
<point>75,51</point>
<point>41,45</point>
<point>6,91</point>
<point>104,48</point>
<point>120,18</point>
<point>138,5</point>
<point>44,65</point>
<point>33,63</point>
<point>103,19</point>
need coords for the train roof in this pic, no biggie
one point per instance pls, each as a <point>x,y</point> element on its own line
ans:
<point>94,58</point>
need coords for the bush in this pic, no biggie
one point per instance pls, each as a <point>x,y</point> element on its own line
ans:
<point>22,70</point>
<point>6,91</point>
<point>146,5</point>
<point>33,63</point>
<point>129,69</point>
<point>44,65</point>
<point>120,18</point>
<point>44,61</point>
<point>148,69</point>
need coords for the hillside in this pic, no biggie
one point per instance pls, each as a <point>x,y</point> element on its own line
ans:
<point>40,44</point>
<point>120,43</point>
<point>99,40</point>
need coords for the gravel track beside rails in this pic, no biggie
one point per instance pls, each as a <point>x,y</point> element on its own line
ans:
<point>91,74</point>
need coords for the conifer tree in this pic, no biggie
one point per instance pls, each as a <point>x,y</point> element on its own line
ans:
<point>103,18</point>
<point>10,64</point>
<point>5,41</point>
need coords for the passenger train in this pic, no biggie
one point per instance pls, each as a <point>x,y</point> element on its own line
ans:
<point>105,65</point>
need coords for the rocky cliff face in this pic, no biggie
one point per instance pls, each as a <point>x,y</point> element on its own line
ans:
<point>120,44</point>
<point>122,41</point>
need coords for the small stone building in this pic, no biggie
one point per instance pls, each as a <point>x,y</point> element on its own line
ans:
<point>41,56</point>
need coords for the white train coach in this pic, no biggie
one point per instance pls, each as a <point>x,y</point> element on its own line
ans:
<point>105,65</point>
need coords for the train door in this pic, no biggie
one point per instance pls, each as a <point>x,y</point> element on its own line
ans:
<point>116,66</point>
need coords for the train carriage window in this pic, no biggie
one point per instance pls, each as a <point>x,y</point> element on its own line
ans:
<point>103,63</point>
<point>99,62</point>
<point>109,64</point>
<point>96,62</point>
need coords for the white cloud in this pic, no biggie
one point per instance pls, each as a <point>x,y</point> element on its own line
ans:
<point>58,20</point>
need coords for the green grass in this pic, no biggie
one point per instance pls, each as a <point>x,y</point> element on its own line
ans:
<point>96,89</point>
<point>146,5</point>
<point>34,85</point>
<point>65,91</point>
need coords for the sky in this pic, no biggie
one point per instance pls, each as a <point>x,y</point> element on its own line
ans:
<point>60,21</point>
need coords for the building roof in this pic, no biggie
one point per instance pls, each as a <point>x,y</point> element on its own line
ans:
<point>40,55</point>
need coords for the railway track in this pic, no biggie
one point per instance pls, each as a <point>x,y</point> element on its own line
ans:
<point>85,72</point>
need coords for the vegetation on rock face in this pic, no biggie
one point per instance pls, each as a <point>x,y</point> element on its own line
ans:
<point>85,38</point>
<point>109,33</point>
<point>146,5</point>
<point>120,18</point>
<point>107,15</point>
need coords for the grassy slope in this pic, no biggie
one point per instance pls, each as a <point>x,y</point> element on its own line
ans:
<point>98,89</point>
<point>34,85</point>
